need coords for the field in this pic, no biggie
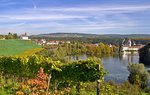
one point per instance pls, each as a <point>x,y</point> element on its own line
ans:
<point>18,47</point>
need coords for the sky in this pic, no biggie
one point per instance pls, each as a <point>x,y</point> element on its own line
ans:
<point>75,16</point>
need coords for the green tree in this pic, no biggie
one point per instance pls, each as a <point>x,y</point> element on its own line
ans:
<point>1,36</point>
<point>15,36</point>
<point>9,36</point>
<point>82,71</point>
<point>138,75</point>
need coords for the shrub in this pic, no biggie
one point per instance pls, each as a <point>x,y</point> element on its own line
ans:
<point>138,75</point>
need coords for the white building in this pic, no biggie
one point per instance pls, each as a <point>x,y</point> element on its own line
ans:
<point>56,42</point>
<point>52,43</point>
<point>24,37</point>
<point>124,48</point>
<point>130,46</point>
<point>41,42</point>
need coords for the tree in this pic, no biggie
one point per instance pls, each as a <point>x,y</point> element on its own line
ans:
<point>1,36</point>
<point>9,36</point>
<point>138,75</point>
<point>82,71</point>
<point>15,36</point>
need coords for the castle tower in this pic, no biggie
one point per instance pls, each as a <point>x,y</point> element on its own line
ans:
<point>25,34</point>
<point>129,43</point>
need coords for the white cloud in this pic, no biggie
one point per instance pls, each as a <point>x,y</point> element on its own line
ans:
<point>71,19</point>
<point>70,13</point>
<point>42,17</point>
<point>103,9</point>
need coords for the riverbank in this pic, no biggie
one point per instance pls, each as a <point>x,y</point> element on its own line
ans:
<point>116,65</point>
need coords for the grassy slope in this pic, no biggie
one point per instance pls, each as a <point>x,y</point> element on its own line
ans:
<point>17,47</point>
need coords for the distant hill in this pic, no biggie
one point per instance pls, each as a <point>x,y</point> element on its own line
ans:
<point>66,35</point>
<point>115,39</point>
<point>80,35</point>
<point>17,47</point>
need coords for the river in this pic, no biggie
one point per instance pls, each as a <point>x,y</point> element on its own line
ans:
<point>117,66</point>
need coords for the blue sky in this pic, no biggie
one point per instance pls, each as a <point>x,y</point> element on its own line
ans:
<point>75,16</point>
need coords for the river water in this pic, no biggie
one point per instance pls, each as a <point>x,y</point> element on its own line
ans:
<point>117,66</point>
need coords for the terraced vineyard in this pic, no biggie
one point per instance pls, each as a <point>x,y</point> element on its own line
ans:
<point>18,47</point>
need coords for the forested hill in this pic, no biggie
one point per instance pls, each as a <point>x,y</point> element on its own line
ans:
<point>74,35</point>
<point>62,35</point>
<point>94,38</point>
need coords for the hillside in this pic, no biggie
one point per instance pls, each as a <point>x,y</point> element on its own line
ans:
<point>82,35</point>
<point>66,35</point>
<point>17,47</point>
<point>94,38</point>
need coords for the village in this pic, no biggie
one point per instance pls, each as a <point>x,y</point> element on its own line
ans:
<point>127,45</point>
<point>41,42</point>
<point>130,46</point>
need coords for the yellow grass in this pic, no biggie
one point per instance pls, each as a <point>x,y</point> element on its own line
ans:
<point>30,52</point>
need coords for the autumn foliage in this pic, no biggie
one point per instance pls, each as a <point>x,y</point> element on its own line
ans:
<point>36,86</point>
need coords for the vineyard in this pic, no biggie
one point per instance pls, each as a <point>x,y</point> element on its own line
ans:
<point>18,47</point>
<point>52,75</point>
<point>38,75</point>
<point>48,73</point>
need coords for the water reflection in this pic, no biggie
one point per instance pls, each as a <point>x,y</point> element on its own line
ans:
<point>116,65</point>
<point>129,57</point>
